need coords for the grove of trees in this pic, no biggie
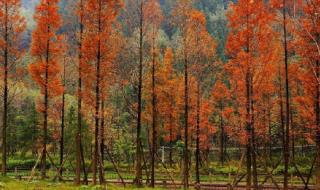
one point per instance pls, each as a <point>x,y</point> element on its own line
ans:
<point>160,88</point>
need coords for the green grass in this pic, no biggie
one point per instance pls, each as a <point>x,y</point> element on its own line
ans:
<point>11,184</point>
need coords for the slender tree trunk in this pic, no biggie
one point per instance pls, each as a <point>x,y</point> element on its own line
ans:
<point>100,160</point>
<point>317,110</point>
<point>154,113</point>
<point>198,135</point>
<point>270,130</point>
<point>138,169</point>
<point>102,140</point>
<point>96,129</point>
<point>62,119</point>
<point>283,131</point>
<point>79,127</point>
<point>96,150</point>
<point>186,120</point>
<point>287,126</point>
<point>221,138</point>
<point>85,177</point>
<point>253,138</point>
<point>248,109</point>
<point>292,136</point>
<point>5,94</point>
<point>101,146</point>
<point>249,150</point>
<point>45,120</point>
<point>171,141</point>
<point>46,105</point>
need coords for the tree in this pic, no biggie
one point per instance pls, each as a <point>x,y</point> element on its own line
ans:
<point>250,35</point>
<point>308,38</point>
<point>202,56</point>
<point>284,6</point>
<point>99,54</point>
<point>169,99</point>
<point>138,168</point>
<point>132,83</point>
<point>64,60</point>
<point>287,129</point>
<point>45,68</point>
<point>62,127</point>
<point>153,18</point>
<point>220,98</point>
<point>79,149</point>
<point>12,27</point>
<point>181,15</point>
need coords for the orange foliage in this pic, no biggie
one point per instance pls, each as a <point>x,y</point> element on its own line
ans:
<point>251,47</point>
<point>100,47</point>
<point>16,26</point>
<point>45,48</point>
<point>307,46</point>
<point>169,97</point>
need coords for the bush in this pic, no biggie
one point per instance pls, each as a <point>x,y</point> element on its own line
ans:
<point>24,164</point>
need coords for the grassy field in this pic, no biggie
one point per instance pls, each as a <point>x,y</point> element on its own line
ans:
<point>214,174</point>
<point>11,184</point>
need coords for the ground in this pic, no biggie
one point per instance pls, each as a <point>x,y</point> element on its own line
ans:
<point>12,184</point>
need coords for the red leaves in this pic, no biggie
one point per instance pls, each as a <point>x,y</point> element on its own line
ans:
<point>101,43</point>
<point>253,50</point>
<point>168,97</point>
<point>198,17</point>
<point>45,49</point>
<point>10,16</point>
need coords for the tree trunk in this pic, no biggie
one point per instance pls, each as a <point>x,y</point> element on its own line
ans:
<point>62,120</point>
<point>270,130</point>
<point>154,114</point>
<point>186,119</point>
<point>85,177</point>
<point>198,135</point>
<point>138,169</point>
<point>287,123</point>
<point>248,111</point>
<point>221,138</point>
<point>249,150</point>
<point>101,146</point>
<point>46,106</point>
<point>5,95</point>
<point>96,129</point>
<point>102,140</point>
<point>292,136</point>
<point>100,163</point>
<point>253,139</point>
<point>282,120</point>
<point>79,127</point>
<point>96,150</point>
<point>317,110</point>
<point>171,143</point>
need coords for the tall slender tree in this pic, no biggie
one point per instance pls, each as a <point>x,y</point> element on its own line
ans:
<point>169,100</point>
<point>287,123</point>
<point>100,53</point>
<point>250,35</point>
<point>64,60</point>
<point>201,58</point>
<point>153,18</point>
<point>45,69</point>
<point>181,15</point>
<point>138,159</point>
<point>79,151</point>
<point>308,41</point>
<point>12,26</point>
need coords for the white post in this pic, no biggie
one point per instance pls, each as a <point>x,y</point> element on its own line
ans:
<point>163,154</point>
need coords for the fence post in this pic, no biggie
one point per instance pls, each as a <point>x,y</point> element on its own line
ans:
<point>163,160</point>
